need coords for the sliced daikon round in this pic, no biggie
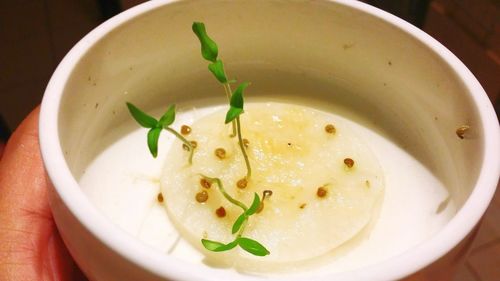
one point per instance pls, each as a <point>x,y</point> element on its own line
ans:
<point>293,155</point>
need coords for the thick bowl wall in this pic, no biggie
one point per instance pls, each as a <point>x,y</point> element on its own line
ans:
<point>340,53</point>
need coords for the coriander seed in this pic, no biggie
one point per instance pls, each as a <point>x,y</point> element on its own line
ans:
<point>321,192</point>
<point>205,183</point>
<point>160,197</point>
<point>242,183</point>
<point>330,129</point>
<point>201,196</point>
<point>194,144</point>
<point>349,162</point>
<point>246,143</point>
<point>220,153</point>
<point>185,129</point>
<point>220,212</point>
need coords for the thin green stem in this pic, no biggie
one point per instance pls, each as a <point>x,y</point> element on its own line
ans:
<point>185,141</point>
<point>227,89</point>
<point>242,228</point>
<point>226,195</point>
<point>243,150</point>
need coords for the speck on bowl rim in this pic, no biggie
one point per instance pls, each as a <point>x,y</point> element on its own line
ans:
<point>397,267</point>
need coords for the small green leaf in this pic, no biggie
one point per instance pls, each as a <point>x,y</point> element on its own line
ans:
<point>232,113</point>
<point>215,246</point>
<point>217,68</point>
<point>211,245</point>
<point>153,136</point>
<point>209,49</point>
<point>239,221</point>
<point>237,97</point>
<point>255,205</point>
<point>227,247</point>
<point>252,246</point>
<point>142,118</point>
<point>168,118</point>
<point>236,103</point>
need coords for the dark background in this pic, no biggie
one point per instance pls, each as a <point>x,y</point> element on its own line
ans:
<point>36,34</point>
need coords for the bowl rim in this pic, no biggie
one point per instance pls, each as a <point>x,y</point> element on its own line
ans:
<point>135,252</point>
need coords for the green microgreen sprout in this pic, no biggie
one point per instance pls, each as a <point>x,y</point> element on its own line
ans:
<point>234,112</point>
<point>239,225</point>
<point>210,51</point>
<point>156,126</point>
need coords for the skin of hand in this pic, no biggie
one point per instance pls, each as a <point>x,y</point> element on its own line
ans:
<point>31,248</point>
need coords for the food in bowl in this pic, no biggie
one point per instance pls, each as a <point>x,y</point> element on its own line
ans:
<point>318,187</point>
<point>301,162</point>
<point>315,184</point>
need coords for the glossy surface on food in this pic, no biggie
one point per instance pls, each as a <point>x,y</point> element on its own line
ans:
<point>293,155</point>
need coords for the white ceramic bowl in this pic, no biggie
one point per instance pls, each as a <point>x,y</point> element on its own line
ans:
<point>412,87</point>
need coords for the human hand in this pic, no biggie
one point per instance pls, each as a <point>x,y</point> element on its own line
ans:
<point>30,246</point>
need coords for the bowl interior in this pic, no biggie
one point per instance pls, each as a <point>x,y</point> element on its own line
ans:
<point>319,53</point>
<point>328,55</point>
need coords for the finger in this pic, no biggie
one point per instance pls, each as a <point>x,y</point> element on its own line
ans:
<point>30,246</point>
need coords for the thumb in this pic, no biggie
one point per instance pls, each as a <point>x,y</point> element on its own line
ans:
<point>30,246</point>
